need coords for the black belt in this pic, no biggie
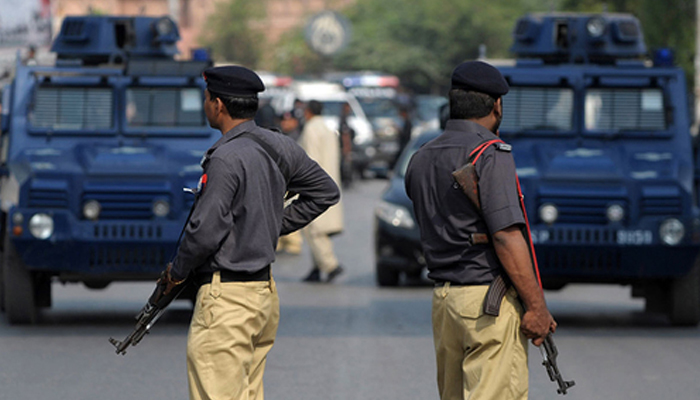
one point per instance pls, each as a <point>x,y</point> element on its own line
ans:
<point>235,276</point>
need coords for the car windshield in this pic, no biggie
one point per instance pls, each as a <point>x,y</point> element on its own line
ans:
<point>58,108</point>
<point>164,107</point>
<point>538,108</point>
<point>402,164</point>
<point>379,108</point>
<point>624,109</point>
<point>333,109</point>
<point>428,107</point>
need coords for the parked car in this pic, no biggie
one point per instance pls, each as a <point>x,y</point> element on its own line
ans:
<point>396,235</point>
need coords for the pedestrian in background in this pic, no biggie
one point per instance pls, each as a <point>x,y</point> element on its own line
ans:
<point>291,243</point>
<point>479,355</point>
<point>322,145</point>
<point>229,242</point>
<point>346,137</point>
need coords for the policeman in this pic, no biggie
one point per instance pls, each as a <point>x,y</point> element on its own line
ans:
<point>479,356</point>
<point>229,243</point>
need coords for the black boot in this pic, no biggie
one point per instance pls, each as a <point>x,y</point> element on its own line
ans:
<point>333,274</point>
<point>314,276</point>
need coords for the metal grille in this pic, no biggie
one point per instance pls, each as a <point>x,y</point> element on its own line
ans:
<point>602,260</point>
<point>538,108</point>
<point>578,210</point>
<point>125,257</point>
<point>48,198</point>
<point>72,108</point>
<point>661,206</point>
<point>132,202</point>
<point>127,231</point>
<point>625,109</point>
<point>581,236</point>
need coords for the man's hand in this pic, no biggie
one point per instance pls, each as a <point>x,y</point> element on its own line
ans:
<point>514,254</point>
<point>167,280</point>
<point>536,324</point>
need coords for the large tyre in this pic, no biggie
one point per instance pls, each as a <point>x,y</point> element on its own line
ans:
<point>20,305</point>
<point>387,276</point>
<point>2,283</point>
<point>685,298</point>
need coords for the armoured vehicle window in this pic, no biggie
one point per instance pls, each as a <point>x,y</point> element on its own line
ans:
<point>164,107</point>
<point>624,109</point>
<point>538,108</point>
<point>72,108</point>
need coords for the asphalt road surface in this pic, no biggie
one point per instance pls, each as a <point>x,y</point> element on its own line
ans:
<point>348,340</point>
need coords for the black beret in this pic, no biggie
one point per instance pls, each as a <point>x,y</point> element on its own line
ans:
<point>480,77</point>
<point>233,80</point>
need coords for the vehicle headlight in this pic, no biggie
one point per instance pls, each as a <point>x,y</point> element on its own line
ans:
<point>395,215</point>
<point>549,213</point>
<point>671,231</point>
<point>161,208</point>
<point>615,213</point>
<point>595,27</point>
<point>92,209</point>
<point>41,226</point>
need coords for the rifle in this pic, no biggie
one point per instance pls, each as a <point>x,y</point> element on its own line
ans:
<point>158,301</point>
<point>468,181</point>
<point>149,314</point>
<point>549,359</point>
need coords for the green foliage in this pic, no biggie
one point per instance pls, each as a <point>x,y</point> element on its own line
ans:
<point>423,40</point>
<point>231,33</point>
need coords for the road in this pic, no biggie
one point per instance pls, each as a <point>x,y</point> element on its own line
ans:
<point>349,340</point>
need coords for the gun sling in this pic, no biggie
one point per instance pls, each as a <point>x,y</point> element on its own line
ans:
<point>466,178</point>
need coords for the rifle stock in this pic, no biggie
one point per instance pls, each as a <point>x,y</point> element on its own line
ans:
<point>468,181</point>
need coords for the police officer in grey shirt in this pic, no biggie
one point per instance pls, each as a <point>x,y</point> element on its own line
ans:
<point>479,355</point>
<point>229,242</point>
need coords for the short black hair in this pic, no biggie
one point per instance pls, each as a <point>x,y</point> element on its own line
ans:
<point>315,107</point>
<point>468,104</point>
<point>238,107</point>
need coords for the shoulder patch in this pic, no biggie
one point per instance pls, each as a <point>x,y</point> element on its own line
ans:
<point>504,147</point>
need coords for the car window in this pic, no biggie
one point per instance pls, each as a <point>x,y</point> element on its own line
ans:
<point>615,109</point>
<point>164,107</point>
<point>538,108</point>
<point>379,108</point>
<point>333,108</point>
<point>72,108</point>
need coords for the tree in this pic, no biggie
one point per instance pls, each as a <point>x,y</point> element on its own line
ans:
<point>232,33</point>
<point>420,41</point>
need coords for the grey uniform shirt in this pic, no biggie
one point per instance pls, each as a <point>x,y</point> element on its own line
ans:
<point>240,211</point>
<point>444,214</point>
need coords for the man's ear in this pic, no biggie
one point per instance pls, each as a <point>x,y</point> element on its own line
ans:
<point>498,108</point>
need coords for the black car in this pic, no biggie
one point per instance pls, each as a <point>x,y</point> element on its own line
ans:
<point>396,234</point>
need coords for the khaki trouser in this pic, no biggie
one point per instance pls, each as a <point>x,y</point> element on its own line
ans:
<point>232,330</point>
<point>321,249</point>
<point>479,357</point>
<point>291,243</point>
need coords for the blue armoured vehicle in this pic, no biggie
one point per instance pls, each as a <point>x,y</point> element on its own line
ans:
<point>96,150</point>
<point>601,139</point>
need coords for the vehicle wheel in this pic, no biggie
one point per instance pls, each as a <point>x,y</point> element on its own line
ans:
<point>387,276</point>
<point>20,305</point>
<point>685,298</point>
<point>2,283</point>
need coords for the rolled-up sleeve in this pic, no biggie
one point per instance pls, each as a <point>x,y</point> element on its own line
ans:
<point>316,191</point>
<point>498,190</point>
<point>211,220</point>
